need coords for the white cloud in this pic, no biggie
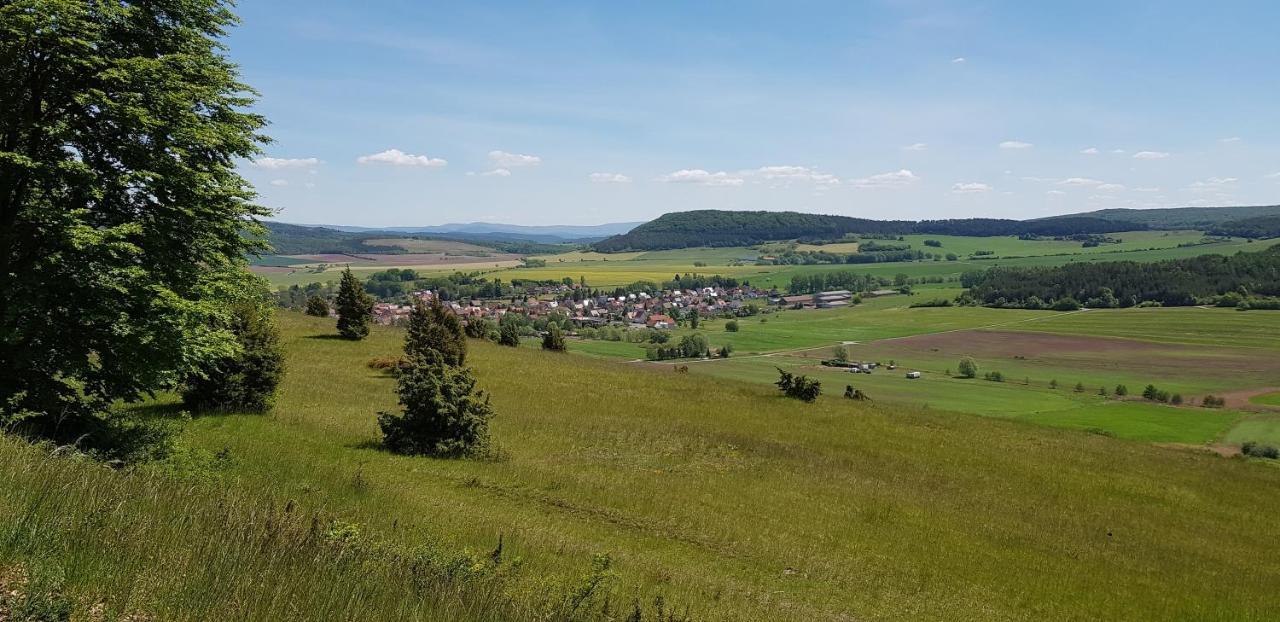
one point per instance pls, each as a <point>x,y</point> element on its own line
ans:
<point>609,178</point>
<point>1117,151</point>
<point>1015,144</point>
<point>1273,176</point>
<point>503,159</point>
<point>1090,151</point>
<point>1151,155</point>
<point>1080,181</point>
<point>1212,183</point>
<point>701,177</point>
<point>283,163</point>
<point>916,147</point>
<point>788,174</point>
<point>973,187</point>
<point>497,172</point>
<point>396,157</point>
<point>1110,187</point>
<point>957,60</point>
<point>279,183</point>
<point>897,179</point>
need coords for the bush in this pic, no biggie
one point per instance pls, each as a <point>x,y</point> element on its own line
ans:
<point>509,334</point>
<point>553,339</point>
<point>478,328</point>
<point>968,368</point>
<point>393,364</point>
<point>731,326</point>
<point>442,412</point>
<point>1256,450</point>
<point>245,381</point>
<point>317,306</point>
<point>801,388</point>
<point>1176,399</point>
<point>1211,401</point>
<point>1121,390</point>
<point>994,376</point>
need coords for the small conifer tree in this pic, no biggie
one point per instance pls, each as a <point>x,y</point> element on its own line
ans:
<point>355,307</point>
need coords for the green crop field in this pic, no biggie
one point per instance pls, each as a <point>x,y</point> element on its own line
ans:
<point>615,270</point>
<point>1191,352</point>
<point>717,494</point>
<point>1267,399</point>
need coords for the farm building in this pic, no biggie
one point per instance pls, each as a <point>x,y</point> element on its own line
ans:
<point>833,299</point>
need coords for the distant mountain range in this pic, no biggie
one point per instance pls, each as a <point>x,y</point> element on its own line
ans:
<point>499,231</point>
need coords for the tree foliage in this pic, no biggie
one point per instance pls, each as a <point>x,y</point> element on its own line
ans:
<point>245,381</point>
<point>435,332</point>
<point>553,339</point>
<point>317,306</point>
<point>355,307</point>
<point>442,412</point>
<point>802,388</point>
<point>968,368</point>
<point>122,217</point>
<point>509,334</point>
<point>720,228</point>
<point>1176,282</point>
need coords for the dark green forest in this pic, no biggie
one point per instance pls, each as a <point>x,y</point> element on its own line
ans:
<point>1176,282</point>
<point>718,228</point>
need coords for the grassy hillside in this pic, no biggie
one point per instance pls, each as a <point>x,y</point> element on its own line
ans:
<point>715,494</point>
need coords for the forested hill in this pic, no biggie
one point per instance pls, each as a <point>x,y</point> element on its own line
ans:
<point>730,228</point>
<point>1201,218</point>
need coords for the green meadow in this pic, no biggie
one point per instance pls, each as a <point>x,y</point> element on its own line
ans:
<point>614,270</point>
<point>710,491</point>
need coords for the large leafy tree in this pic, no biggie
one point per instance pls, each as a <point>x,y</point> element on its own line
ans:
<point>122,217</point>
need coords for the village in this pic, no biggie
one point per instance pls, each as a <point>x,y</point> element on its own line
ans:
<point>661,311</point>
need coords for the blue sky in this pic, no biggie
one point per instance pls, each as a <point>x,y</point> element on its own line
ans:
<point>393,112</point>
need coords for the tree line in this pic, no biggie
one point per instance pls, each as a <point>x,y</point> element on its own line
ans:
<point>1175,282</point>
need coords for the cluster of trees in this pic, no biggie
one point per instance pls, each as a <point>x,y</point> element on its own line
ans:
<point>397,282</point>
<point>299,296</point>
<point>1176,282</point>
<point>1257,228</point>
<point>124,225</point>
<point>835,280</point>
<point>442,413</point>
<point>689,346</point>
<point>802,388</point>
<point>728,228</point>
<point>698,281</point>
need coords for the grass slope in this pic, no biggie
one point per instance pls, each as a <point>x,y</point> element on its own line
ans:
<point>724,497</point>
